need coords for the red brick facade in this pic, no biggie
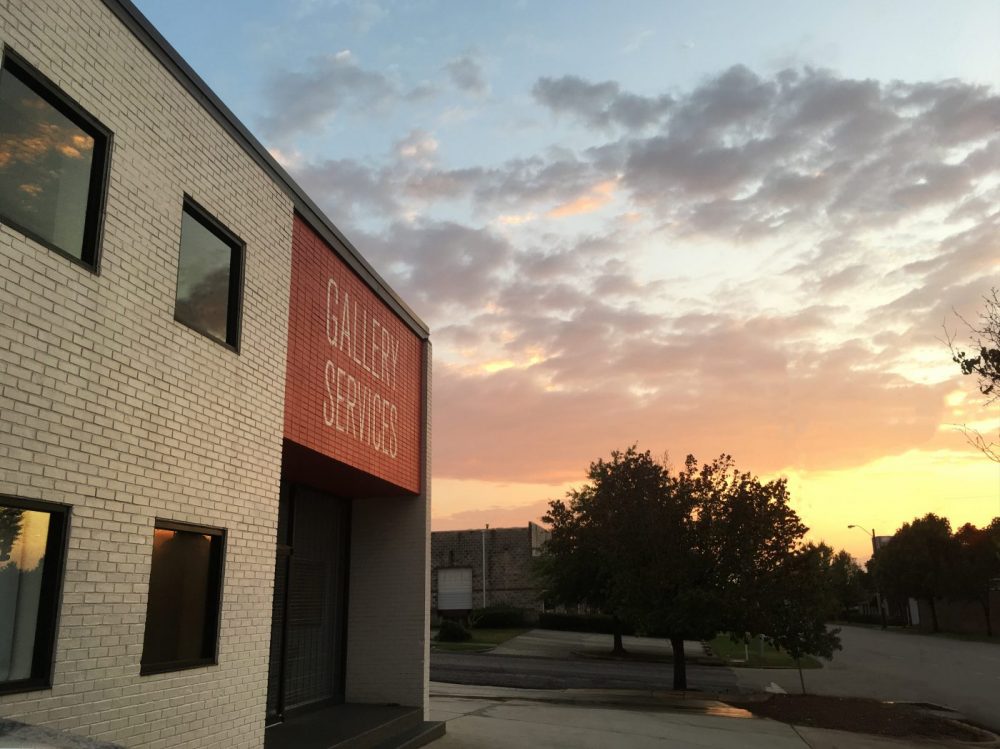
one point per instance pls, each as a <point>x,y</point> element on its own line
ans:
<point>354,377</point>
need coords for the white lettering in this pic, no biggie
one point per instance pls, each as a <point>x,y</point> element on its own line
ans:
<point>345,323</point>
<point>332,295</point>
<point>351,404</point>
<point>375,357</point>
<point>330,404</point>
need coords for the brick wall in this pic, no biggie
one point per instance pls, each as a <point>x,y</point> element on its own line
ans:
<point>111,406</point>
<point>509,555</point>
<point>354,369</point>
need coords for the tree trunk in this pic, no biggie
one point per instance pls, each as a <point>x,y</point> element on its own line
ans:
<point>619,648</point>
<point>802,679</point>
<point>986,610</point>
<point>934,621</point>
<point>680,664</point>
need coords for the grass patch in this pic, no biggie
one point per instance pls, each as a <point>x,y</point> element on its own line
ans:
<point>482,640</point>
<point>735,654</point>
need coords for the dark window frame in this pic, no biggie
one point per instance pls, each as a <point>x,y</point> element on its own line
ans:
<point>50,599</point>
<point>100,171</point>
<point>234,316</point>
<point>213,622</point>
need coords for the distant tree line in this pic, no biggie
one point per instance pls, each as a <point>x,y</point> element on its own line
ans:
<point>925,560</point>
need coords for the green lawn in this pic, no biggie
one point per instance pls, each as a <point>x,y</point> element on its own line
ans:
<point>482,640</point>
<point>735,654</point>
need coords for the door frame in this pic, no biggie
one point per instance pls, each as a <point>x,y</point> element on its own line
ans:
<point>288,493</point>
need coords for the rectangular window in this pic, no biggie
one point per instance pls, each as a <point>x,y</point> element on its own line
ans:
<point>53,158</point>
<point>209,276</point>
<point>185,596</point>
<point>32,549</point>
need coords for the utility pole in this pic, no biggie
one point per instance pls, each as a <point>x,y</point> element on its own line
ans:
<point>484,564</point>
<point>878,593</point>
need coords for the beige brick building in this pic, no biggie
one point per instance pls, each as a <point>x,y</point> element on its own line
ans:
<point>133,408</point>
<point>484,567</point>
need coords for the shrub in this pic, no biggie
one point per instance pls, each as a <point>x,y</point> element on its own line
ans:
<point>599,623</point>
<point>498,617</point>
<point>452,631</point>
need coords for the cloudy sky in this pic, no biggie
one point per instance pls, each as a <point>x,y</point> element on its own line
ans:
<point>703,227</point>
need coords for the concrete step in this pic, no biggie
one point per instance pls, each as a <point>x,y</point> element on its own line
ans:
<point>387,731</point>
<point>425,733</point>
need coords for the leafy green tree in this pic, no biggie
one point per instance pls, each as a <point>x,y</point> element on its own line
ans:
<point>919,562</point>
<point>602,532</point>
<point>978,565</point>
<point>683,556</point>
<point>803,600</point>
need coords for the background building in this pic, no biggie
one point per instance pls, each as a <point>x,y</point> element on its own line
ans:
<point>457,564</point>
<point>214,505</point>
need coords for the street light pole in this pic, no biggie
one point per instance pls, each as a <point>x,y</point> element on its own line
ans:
<point>484,564</point>
<point>878,594</point>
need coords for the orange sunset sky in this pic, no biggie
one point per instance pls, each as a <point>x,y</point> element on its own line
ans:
<point>703,227</point>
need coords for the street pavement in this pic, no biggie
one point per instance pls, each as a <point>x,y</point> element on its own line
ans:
<point>899,666</point>
<point>549,643</point>
<point>492,718</point>
<point>534,672</point>
<point>548,659</point>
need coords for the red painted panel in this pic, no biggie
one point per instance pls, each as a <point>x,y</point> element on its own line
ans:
<point>354,377</point>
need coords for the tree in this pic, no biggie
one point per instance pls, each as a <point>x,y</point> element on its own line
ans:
<point>10,529</point>
<point>683,556</point>
<point>847,581</point>
<point>978,565</point>
<point>984,364</point>
<point>919,562</point>
<point>598,535</point>
<point>805,599</point>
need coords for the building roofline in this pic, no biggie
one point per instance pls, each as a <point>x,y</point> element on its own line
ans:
<point>154,41</point>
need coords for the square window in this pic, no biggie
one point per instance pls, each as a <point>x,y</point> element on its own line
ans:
<point>209,277</point>
<point>185,596</point>
<point>53,158</point>
<point>32,549</point>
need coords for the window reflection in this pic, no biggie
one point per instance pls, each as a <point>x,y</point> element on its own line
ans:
<point>23,538</point>
<point>203,280</point>
<point>46,162</point>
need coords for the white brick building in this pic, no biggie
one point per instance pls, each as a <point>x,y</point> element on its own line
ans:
<point>132,401</point>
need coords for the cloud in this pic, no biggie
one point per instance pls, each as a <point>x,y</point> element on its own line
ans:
<point>495,517</point>
<point>440,264</point>
<point>595,198</point>
<point>599,105</point>
<point>302,101</point>
<point>417,147</point>
<point>747,156</point>
<point>728,391</point>
<point>798,239</point>
<point>349,188</point>
<point>466,75</point>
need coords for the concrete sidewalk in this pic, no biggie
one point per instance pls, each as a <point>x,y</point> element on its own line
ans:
<point>495,718</point>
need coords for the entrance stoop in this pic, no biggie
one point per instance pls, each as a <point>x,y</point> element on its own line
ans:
<point>354,727</point>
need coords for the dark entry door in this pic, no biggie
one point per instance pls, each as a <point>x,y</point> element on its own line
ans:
<point>310,595</point>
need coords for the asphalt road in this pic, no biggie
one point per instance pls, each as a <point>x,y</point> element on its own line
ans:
<point>528,672</point>
<point>899,666</point>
